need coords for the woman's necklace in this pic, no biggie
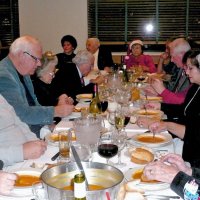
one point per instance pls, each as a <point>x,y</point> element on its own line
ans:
<point>191,100</point>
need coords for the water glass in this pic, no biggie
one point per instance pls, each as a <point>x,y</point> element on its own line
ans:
<point>64,145</point>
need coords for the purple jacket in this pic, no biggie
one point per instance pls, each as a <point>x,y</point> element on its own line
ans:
<point>143,60</point>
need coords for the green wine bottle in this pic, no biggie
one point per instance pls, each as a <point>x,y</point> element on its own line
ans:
<point>95,105</point>
<point>79,187</point>
<point>125,74</point>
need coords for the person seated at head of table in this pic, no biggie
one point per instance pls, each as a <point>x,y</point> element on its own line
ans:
<point>183,180</point>
<point>17,142</point>
<point>176,93</point>
<point>16,86</point>
<point>70,81</point>
<point>103,57</point>
<point>136,58</point>
<point>42,82</point>
<point>69,44</point>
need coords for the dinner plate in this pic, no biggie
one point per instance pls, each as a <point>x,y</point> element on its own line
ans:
<point>145,185</point>
<point>163,139</point>
<point>26,191</point>
<point>84,97</point>
<point>152,98</point>
<point>149,113</point>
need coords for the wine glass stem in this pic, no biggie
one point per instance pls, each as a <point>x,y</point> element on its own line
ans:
<point>119,157</point>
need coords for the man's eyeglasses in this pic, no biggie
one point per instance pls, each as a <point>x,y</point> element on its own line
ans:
<point>35,58</point>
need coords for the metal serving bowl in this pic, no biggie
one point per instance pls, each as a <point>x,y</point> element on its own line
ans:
<point>100,174</point>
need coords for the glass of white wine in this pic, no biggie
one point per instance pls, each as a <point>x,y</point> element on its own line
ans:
<point>119,120</point>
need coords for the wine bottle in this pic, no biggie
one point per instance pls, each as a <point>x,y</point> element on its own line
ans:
<point>125,74</point>
<point>79,187</point>
<point>95,105</point>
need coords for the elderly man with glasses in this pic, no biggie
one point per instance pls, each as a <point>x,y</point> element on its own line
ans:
<point>15,84</point>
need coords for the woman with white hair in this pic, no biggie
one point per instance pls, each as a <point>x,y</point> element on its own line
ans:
<point>42,81</point>
<point>69,80</point>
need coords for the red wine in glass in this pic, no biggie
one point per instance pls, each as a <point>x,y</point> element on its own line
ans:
<point>103,105</point>
<point>107,150</point>
<point>127,119</point>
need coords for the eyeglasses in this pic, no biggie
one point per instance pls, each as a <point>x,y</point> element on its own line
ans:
<point>35,58</point>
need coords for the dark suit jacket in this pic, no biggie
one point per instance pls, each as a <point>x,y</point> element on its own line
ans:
<point>67,81</point>
<point>104,58</point>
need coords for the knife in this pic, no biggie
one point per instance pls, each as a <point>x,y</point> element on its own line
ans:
<point>55,156</point>
<point>78,162</point>
<point>160,196</point>
<point>1,164</point>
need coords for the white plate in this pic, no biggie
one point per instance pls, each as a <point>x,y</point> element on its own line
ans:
<point>84,97</point>
<point>145,186</point>
<point>149,113</point>
<point>166,136</point>
<point>152,98</point>
<point>20,192</point>
<point>73,115</point>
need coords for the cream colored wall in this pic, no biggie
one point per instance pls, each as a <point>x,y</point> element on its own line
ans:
<point>49,20</point>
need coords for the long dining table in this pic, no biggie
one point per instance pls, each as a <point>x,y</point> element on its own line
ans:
<point>174,146</point>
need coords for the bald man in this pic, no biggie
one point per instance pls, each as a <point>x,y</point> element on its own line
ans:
<point>103,57</point>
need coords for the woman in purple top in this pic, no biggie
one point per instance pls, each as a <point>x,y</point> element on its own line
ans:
<point>137,58</point>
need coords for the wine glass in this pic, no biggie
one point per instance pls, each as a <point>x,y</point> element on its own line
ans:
<point>121,142</point>
<point>119,120</point>
<point>107,147</point>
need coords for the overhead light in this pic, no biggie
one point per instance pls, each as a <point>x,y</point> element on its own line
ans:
<point>149,28</point>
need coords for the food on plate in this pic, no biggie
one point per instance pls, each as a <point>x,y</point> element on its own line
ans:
<point>24,180</point>
<point>84,96</point>
<point>138,174</point>
<point>130,190</point>
<point>150,139</point>
<point>141,155</point>
<point>153,114</point>
<point>77,109</point>
<point>54,137</point>
<point>152,98</point>
<point>155,76</point>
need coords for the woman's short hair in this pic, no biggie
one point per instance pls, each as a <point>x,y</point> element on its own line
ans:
<point>49,60</point>
<point>194,55</point>
<point>82,57</point>
<point>70,39</point>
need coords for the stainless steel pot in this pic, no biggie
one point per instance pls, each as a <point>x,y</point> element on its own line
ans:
<point>100,174</point>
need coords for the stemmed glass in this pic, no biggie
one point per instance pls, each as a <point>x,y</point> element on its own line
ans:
<point>107,146</point>
<point>121,142</point>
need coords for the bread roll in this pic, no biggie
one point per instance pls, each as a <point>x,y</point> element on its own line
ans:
<point>141,156</point>
<point>132,186</point>
<point>122,192</point>
<point>134,196</point>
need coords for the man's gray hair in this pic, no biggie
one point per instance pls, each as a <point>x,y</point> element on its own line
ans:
<point>179,45</point>
<point>82,57</point>
<point>24,43</point>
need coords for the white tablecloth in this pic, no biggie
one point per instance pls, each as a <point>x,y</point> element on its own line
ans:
<point>175,146</point>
